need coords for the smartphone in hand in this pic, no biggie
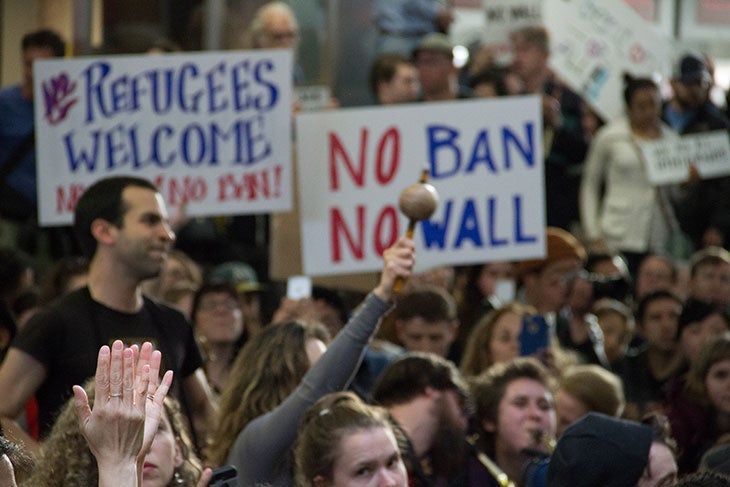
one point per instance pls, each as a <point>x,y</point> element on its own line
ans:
<point>535,335</point>
<point>299,287</point>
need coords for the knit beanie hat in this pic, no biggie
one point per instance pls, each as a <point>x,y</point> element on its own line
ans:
<point>600,451</point>
<point>717,459</point>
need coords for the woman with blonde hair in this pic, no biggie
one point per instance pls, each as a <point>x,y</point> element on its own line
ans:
<point>495,338</point>
<point>345,442</point>
<point>279,374</point>
<point>587,388</point>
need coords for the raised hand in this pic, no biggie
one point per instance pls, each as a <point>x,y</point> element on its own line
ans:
<point>114,428</point>
<point>398,261</point>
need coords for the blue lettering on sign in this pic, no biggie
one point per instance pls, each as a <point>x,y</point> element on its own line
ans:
<point>245,88</point>
<point>469,226</point>
<point>95,75</point>
<point>445,146</point>
<point>269,100</point>
<point>189,88</point>
<point>478,227</point>
<point>216,103</point>
<point>442,138</point>
<point>161,91</point>
<point>242,143</point>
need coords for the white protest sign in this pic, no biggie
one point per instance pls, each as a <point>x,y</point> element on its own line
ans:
<point>484,158</point>
<point>212,130</point>
<point>593,42</point>
<point>502,17</point>
<point>667,161</point>
<point>314,97</point>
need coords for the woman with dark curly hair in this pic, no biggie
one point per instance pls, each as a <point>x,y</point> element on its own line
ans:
<point>515,413</point>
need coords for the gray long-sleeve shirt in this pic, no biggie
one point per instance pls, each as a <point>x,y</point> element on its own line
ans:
<point>261,452</point>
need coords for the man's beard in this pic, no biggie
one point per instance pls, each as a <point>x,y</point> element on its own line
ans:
<point>448,448</point>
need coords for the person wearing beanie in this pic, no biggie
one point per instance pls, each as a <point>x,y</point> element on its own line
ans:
<point>704,479</point>
<point>599,450</point>
<point>717,459</point>
<point>546,285</point>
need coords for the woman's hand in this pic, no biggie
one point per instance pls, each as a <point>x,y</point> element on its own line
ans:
<point>398,261</point>
<point>128,405</point>
<point>152,394</point>
<point>114,428</point>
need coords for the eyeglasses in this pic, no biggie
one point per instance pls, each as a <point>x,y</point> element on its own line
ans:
<point>282,36</point>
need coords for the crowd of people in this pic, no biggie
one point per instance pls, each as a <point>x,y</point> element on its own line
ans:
<point>606,362</point>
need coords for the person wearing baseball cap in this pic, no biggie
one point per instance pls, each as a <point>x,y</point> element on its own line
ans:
<point>703,210</point>
<point>434,59</point>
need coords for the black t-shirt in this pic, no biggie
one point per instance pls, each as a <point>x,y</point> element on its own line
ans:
<point>66,336</point>
<point>640,386</point>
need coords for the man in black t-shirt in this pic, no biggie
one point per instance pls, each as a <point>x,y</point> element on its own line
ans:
<point>122,225</point>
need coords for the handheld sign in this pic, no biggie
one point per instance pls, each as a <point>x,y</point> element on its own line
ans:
<point>484,156</point>
<point>211,130</point>
<point>593,42</point>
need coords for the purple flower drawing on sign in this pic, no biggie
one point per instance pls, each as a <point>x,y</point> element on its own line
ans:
<point>57,95</point>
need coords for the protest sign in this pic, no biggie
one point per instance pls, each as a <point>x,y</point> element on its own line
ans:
<point>502,17</point>
<point>484,158</point>
<point>668,160</point>
<point>314,97</point>
<point>211,130</point>
<point>594,42</point>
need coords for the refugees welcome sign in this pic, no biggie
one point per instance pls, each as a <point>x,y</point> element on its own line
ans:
<point>211,130</point>
<point>484,157</point>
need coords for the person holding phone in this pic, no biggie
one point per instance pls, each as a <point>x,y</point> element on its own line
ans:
<point>547,284</point>
<point>495,338</point>
<point>281,372</point>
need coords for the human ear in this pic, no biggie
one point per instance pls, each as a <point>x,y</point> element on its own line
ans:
<point>179,459</point>
<point>103,231</point>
